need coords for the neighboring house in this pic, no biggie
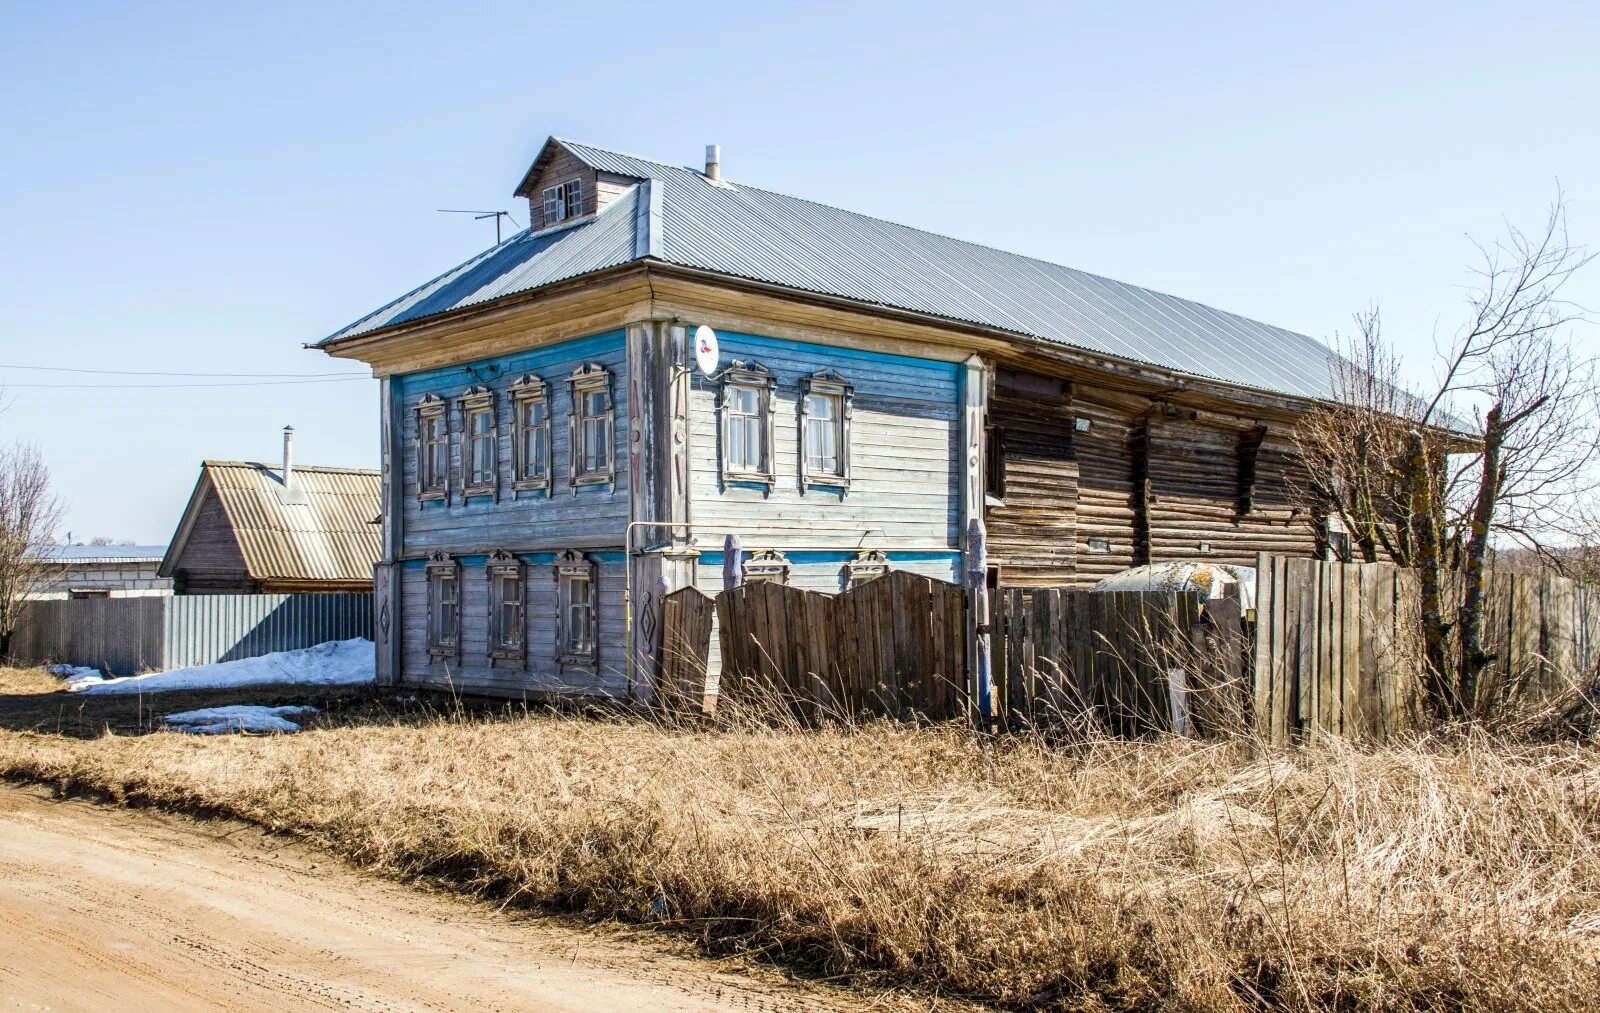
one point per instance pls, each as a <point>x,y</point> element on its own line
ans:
<point>101,571</point>
<point>884,397</point>
<point>247,531</point>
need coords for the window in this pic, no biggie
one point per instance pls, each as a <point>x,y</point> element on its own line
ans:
<point>505,606</point>
<point>869,564</point>
<point>994,462</point>
<point>563,201</point>
<point>477,409</point>
<point>747,422</point>
<point>444,607</point>
<point>768,565</point>
<point>531,456</point>
<point>576,642</point>
<point>1099,545</point>
<point>1249,454</point>
<point>590,426</point>
<point>825,407</point>
<point>433,448</point>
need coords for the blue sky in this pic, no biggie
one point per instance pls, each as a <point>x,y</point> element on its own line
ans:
<point>204,187</point>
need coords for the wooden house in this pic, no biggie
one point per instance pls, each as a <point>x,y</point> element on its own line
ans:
<point>884,398</point>
<point>251,528</point>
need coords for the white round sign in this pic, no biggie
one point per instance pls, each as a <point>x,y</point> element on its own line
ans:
<point>705,349</point>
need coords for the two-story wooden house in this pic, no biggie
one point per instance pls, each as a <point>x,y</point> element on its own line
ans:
<point>882,396</point>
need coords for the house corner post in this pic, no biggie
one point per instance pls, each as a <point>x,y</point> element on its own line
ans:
<point>386,625</point>
<point>975,564</point>
<point>661,559</point>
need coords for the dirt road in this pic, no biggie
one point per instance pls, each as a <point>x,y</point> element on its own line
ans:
<point>102,908</point>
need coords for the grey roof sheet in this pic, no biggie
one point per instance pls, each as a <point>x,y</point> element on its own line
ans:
<point>102,553</point>
<point>752,233</point>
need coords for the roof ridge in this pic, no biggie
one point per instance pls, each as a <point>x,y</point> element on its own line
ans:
<point>214,463</point>
<point>625,154</point>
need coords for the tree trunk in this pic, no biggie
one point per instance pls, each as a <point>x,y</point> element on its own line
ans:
<point>1425,541</point>
<point>1470,619</point>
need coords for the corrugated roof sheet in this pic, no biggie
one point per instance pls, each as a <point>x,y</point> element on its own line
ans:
<point>752,233</point>
<point>103,553</point>
<point>325,534</point>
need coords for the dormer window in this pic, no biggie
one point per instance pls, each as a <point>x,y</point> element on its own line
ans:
<point>563,201</point>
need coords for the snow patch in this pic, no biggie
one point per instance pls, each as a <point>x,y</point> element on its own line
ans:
<point>72,675</point>
<point>336,663</point>
<point>238,718</point>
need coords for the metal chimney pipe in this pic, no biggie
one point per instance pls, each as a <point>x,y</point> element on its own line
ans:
<point>288,454</point>
<point>714,161</point>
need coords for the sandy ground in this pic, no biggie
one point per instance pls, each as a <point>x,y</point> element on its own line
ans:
<point>104,908</point>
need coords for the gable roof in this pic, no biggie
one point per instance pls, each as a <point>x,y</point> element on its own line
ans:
<point>319,529</point>
<point>678,216</point>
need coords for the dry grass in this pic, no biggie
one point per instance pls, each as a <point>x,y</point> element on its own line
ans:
<point>1165,875</point>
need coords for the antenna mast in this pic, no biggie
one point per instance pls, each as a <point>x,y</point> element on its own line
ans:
<point>481,215</point>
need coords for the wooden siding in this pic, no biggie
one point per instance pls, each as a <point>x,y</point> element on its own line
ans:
<point>1105,491</point>
<point>1154,485</point>
<point>904,454</point>
<point>533,524</point>
<point>1195,497</point>
<point>1033,532</point>
<point>599,188</point>
<point>512,520</point>
<point>211,561</point>
<point>538,673</point>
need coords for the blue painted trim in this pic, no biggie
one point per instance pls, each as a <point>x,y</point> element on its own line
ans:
<point>509,367</point>
<point>800,556</point>
<point>833,353</point>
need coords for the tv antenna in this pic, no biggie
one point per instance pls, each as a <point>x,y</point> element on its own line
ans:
<point>481,215</point>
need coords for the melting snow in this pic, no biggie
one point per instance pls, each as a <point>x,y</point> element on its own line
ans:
<point>238,718</point>
<point>72,674</point>
<point>336,663</point>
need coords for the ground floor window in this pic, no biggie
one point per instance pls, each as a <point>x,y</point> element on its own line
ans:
<point>505,607</point>
<point>577,642</point>
<point>444,607</point>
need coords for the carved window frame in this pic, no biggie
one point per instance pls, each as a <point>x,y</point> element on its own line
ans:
<point>502,566</point>
<point>572,570</point>
<point>590,378</point>
<point>473,404</point>
<point>444,636</point>
<point>767,566</point>
<point>431,484</point>
<point>527,391</point>
<point>753,377</point>
<point>826,383</point>
<point>869,564</point>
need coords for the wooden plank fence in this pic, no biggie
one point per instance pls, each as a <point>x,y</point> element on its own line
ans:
<point>1339,646</point>
<point>1128,663</point>
<point>686,616</point>
<point>893,646</point>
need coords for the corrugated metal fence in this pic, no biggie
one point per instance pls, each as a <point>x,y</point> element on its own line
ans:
<point>125,636</point>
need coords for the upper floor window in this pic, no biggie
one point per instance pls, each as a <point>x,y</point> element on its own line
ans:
<point>531,411</point>
<point>478,422</point>
<point>591,421</point>
<point>576,643</point>
<point>563,201</point>
<point>747,422</point>
<point>433,448</point>
<point>444,606</point>
<point>825,407</point>
<point>505,606</point>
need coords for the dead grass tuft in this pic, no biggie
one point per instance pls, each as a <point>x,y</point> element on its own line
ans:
<point>1460,874</point>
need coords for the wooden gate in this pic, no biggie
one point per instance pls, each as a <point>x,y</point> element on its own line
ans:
<point>893,646</point>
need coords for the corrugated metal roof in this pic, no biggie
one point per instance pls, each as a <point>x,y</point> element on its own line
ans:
<point>103,553</point>
<point>752,233</point>
<point>321,530</point>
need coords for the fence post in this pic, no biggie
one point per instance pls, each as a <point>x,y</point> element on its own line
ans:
<point>979,656</point>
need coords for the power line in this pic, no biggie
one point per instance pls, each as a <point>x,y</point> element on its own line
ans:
<point>136,372</point>
<point>170,386</point>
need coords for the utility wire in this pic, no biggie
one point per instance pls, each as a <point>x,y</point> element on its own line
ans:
<point>135,372</point>
<point>168,386</point>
